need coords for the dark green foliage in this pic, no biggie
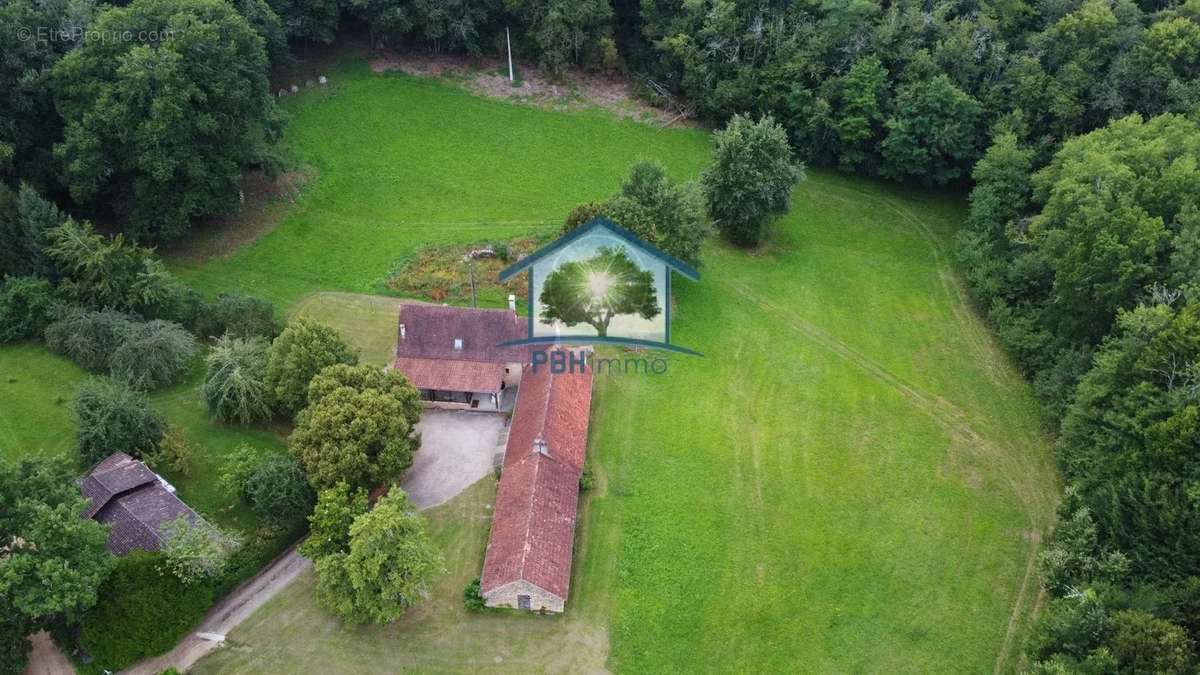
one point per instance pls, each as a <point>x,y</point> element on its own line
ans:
<point>51,561</point>
<point>307,20</point>
<point>235,386</point>
<point>1142,643</point>
<point>582,214</point>
<point>750,179</point>
<point>106,272</point>
<point>143,611</point>
<point>1131,439</point>
<point>159,127</point>
<point>153,354</point>
<point>667,215</point>
<point>25,307</point>
<point>25,220</point>
<point>301,351</point>
<point>111,417</point>
<point>278,490</point>
<point>472,598</point>
<point>562,33</point>
<point>88,337</point>
<point>933,135</point>
<point>238,315</point>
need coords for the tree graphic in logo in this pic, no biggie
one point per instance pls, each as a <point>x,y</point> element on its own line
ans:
<point>595,290</point>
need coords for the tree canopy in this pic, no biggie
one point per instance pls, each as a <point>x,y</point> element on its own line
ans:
<point>158,127</point>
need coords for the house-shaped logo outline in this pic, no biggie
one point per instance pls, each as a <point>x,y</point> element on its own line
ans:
<point>529,263</point>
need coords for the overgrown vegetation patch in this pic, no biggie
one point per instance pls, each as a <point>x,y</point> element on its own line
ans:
<point>443,273</point>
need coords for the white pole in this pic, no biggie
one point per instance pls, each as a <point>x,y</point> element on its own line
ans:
<point>508,39</point>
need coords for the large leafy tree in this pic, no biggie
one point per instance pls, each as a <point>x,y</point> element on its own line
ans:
<point>1130,443</point>
<point>595,290</point>
<point>751,178</point>
<point>29,125</point>
<point>666,214</point>
<point>1112,202</point>
<point>106,272</point>
<point>235,386</point>
<point>563,32</point>
<point>359,427</point>
<point>388,567</point>
<point>302,350</point>
<point>158,127</point>
<point>329,524</point>
<point>51,561</point>
<point>111,417</point>
<point>934,133</point>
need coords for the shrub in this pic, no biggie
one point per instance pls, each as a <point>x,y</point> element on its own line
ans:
<point>153,354</point>
<point>25,304</point>
<point>235,387</point>
<point>750,179</point>
<point>111,417</point>
<point>582,214</point>
<point>196,551</point>
<point>87,337</point>
<point>301,351</point>
<point>175,453</point>
<point>179,303</point>
<point>277,489</point>
<point>1143,643</point>
<point>237,315</point>
<point>472,597</point>
<point>143,611</point>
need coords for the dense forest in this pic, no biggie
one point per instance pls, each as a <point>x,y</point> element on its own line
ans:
<point>1074,123</point>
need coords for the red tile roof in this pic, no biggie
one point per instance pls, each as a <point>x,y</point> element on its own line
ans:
<point>533,526</point>
<point>445,375</point>
<point>554,408</point>
<point>533,529</point>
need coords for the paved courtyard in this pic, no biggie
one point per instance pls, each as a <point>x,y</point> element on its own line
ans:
<point>456,451</point>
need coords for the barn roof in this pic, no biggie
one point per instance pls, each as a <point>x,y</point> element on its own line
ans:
<point>533,527</point>
<point>123,493</point>
<point>430,332</point>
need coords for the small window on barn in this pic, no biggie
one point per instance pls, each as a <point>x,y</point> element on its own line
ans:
<point>523,602</point>
<point>458,344</point>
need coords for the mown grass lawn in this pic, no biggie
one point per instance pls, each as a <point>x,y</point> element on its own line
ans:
<point>400,161</point>
<point>36,393</point>
<point>852,478</point>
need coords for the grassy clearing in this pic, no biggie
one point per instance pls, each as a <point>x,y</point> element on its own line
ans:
<point>399,162</point>
<point>36,393</point>
<point>852,479</point>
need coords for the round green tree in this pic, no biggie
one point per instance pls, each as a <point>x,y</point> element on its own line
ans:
<point>389,566</point>
<point>235,387</point>
<point>359,427</point>
<point>301,351</point>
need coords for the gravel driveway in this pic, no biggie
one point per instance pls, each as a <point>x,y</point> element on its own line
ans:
<point>456,451</point>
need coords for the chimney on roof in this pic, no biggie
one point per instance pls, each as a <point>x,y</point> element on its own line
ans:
<point>540,447</point>
<point>458,344</point>
<point>512,302</point>
<point>401,331</point>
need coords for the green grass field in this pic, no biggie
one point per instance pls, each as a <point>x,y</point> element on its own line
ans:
<point>400,161</point>
<point>852,479</point>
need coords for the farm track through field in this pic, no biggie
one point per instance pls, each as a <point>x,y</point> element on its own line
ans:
<point>952,418</point>
<point>949,416</point>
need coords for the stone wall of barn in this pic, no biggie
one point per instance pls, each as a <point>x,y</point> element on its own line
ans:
<point>539,600</point>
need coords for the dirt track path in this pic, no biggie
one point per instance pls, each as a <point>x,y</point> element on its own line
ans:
<point>228,613</point>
